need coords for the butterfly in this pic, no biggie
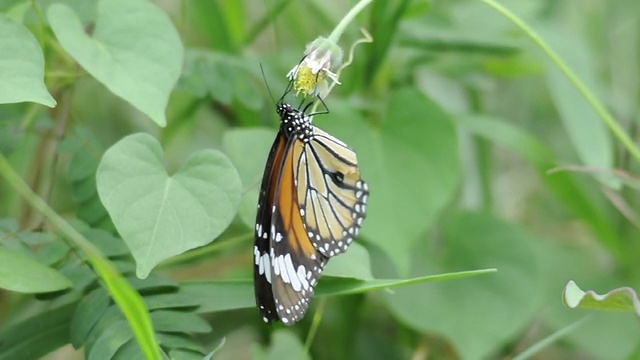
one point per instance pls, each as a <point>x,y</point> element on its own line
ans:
<point>311,207</point>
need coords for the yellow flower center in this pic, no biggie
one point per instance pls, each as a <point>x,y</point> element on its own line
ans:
<point>306,81</point>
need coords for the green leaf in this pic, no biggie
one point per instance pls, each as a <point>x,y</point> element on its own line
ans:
<point>84,190</point>
<point>183,354</point>
<point>83,164</point>
<point>477,315</point>
<point>111,340</point>
<point>85,9</point>
<point>284,345</point>
<point>248,150</point>
<point>159,215</point>
<point>411,163</point>
<point>79,273</point>
<point>621,299</point>
<point>38,335</point>
<point>508,135</point>
<point>153,284</point>
<point>18,11</point>
<point>247,92</point>
<point>12,132</point>
<point>52,253</point>
<point>355,263</point>
<point>179,300</point>
<point>110,316</point>
<point>588,134</point>
<point>203,74</point>
<point>23,274</point>
<point>433,39</point>
<point>130,351</point>
<point>108,244</point>
<point>135,51</point>
<point>178,321</point>
<point>91,211</point>
<point>9,227</point>
<point>21,66</point>
<point>89,311</point>
<point>215,296</point>
<point>223,77</point>
<point>168,340</point>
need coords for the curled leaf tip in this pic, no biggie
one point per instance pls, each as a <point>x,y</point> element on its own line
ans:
<point>621,299</point>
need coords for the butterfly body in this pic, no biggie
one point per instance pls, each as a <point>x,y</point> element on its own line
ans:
<point>295,124</point>
<point>311,207</point>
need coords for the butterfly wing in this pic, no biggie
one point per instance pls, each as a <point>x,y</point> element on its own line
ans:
<point>331,193</point>
<point>262,273</point>
<point>296,264</point>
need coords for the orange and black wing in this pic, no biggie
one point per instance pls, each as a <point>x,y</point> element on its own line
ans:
<point>288,266</point>
<point>262,274</point>
<point>297,265</point>
<point>333,196</point>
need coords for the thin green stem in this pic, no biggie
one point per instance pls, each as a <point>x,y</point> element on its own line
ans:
<point>129,301</point>
<point>346,20</point>
<point>30,115</point>
<point>540,345</point>
<point>315,324</point>
<point>606,117</point>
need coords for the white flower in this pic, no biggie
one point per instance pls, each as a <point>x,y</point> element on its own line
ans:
<point>309,76</point>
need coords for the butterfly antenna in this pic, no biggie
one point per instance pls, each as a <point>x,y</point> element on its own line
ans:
<point>267,84</point>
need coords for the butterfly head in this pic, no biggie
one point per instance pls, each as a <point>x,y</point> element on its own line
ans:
<point>295,123</point>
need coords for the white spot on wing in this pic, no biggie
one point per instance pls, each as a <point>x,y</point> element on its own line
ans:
<point>293,276</point>
<point>302,277</point>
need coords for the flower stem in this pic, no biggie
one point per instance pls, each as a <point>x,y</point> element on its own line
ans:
<point>339,29</point>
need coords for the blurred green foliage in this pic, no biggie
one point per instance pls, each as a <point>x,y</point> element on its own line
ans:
<point>478,151</point>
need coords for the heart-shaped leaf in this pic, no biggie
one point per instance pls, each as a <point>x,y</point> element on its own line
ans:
<point>411,163</point>
<point>248,150</point>
<point>21,66</point>
<point>355,264</point>
<point>160,215</point>
<point>135,51</point>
